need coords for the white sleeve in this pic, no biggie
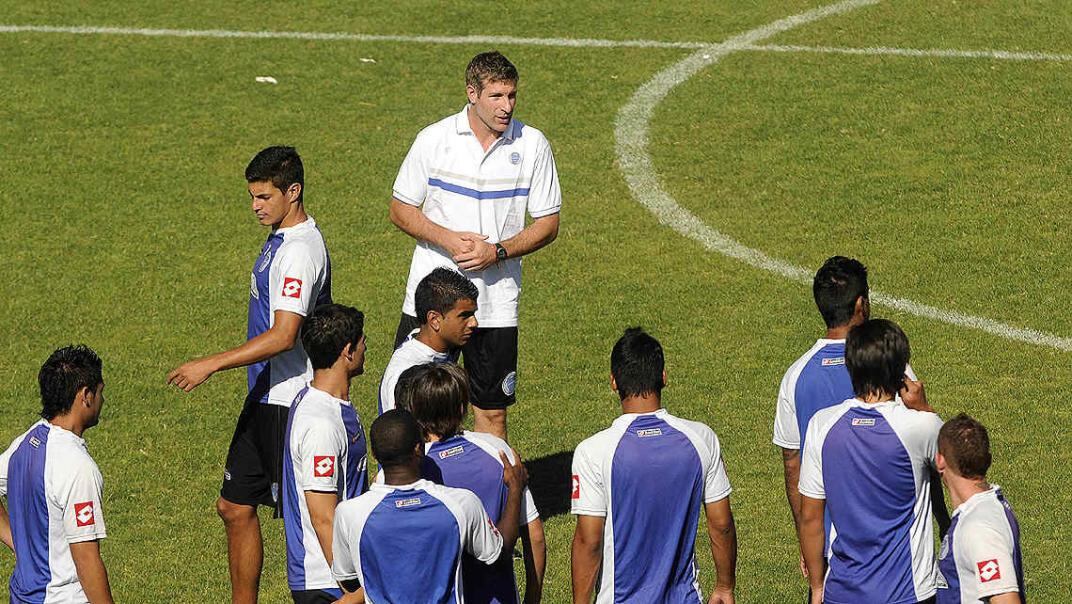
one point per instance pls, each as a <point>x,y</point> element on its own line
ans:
<point>811,464</point>
<point>911,374</point>
<point>588,496</point>
<point>786,432</point>
<point>987,553</point>
<point>482,539</point>
<point>545,196</point>
<point>528,507</point>
<point>83,518</point>
<point>316,454</point>
<point>387,389</point>
<point>716,482</point>
<point>293,281</point>
<point>5,459</point>
<point>411,184</point>
<point>343,561</point>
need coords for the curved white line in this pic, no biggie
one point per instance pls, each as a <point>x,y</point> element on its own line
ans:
<point>631,137</point>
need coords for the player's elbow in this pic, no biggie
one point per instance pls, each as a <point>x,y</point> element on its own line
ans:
<point>397,213</point>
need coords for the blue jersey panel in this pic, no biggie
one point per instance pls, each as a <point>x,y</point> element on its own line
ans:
<point>291,507</point>
<point>1017,555</point>
<point>947,565</point>
<point>824,382</point>
<point>28,514</point>
<point>258,319</point>
<point>354,481</point>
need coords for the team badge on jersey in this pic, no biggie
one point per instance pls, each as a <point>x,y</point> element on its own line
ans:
<point>405,503</point>
<point>649,432</point>
<point>863,421</point>
<point>576,494</point>
<point>509,384</point>
<point>83,514</point>
<point>266,259</point>
<point>451,452</point>
<point>323,466</point>
<point>988,571</point>
<point>291,287</point>
<point>515,158</point>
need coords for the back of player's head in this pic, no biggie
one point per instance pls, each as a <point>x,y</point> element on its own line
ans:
<point>488,67</point>
<point>328,330</point>
<point>281,166</point>
<point>876,355</point>
<point>965,445</point>
<point>838,283</point>
<point>66,372</point>
<point>637,364</point>
<point>438,396</point>
<point>440,290</point>
<point>394,437</point>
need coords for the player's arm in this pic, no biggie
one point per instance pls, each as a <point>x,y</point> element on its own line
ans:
<point>723,534</point>
<point>91,572</point>
<point>322,516</point>
<point>812,534</point>
<point>540,232</point>
<point>586,556</point>
<point>1007,598</point>
<point>5,528</point>
<point>281,337</point>
<point>516,477</point>
<point>411,220</point>
<point>534,549</point>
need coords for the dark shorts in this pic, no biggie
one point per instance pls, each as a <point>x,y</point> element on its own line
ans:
<point>254,467</point>
<point>490,359</point>
<point>316,596</point>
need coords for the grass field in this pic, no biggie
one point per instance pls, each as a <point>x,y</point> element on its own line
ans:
<point>129,229</point>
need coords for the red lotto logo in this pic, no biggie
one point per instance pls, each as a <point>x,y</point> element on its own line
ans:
<point>83,514</point>
<point>291,287</point>
<point>576,487</point>
<point>323,466</point>
<point>988,570</point>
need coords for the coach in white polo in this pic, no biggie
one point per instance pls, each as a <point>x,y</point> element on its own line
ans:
<point>462,192</point>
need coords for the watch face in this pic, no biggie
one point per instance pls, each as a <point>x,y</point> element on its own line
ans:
<point>500,251</point>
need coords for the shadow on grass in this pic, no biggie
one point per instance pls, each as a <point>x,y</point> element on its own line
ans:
<point>550,480</point>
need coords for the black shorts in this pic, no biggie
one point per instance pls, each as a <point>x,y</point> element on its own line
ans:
<point>254,467</point>
<point>315,596</point>
<point>490,359</point>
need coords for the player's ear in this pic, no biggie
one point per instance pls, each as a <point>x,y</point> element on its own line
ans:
<point>863,308</point>
<point>940,463</point>
<point>293,192</point>
<point>665,382</point>
<point>348,352</point>
<point>613,384</point>
<point>433,319</point>
<point>471,92</point>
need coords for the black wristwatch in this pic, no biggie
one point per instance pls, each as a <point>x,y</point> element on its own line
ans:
<point>500,252</point>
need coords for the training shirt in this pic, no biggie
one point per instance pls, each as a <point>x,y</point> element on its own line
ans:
<point>292,273</point>
<point>325,452</point>
<point>647,475</point>
<point>980,555</point>
<point>870,463</point>
<point>404,543</point>
<point>53,490</point>
<point>410,353</point>
<point>461,187</point>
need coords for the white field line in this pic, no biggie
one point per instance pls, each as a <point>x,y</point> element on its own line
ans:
<point>1004,55</point>
<point>631,138</point>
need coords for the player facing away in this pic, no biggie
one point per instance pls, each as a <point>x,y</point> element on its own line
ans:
<point>438,396</point>
<point>290,277</point>
<point>638,487</point>
<point>54,521</point>
<point>980,559</point>
<point>867,461</point>
<point>462,192</point>
<point>403,540</point>
<point>324,451</point>
<point>446,309</point>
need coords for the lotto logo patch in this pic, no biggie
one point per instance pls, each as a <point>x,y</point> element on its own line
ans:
<point>831,362</point>
<point>988,571</point>
<point>863,421</point>
<point>405,503</point>
<point>83,514</point>
<point>649,432</point>
<point>323,466</point>
<point>291,287</point>
<point>451,452</point>
<point>576,494</point>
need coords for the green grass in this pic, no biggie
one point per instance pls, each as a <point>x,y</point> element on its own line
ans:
<point>128,228</point>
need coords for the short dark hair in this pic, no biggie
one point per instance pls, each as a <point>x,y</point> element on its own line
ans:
<point>404,385</point>
<point>66,372</point>
<point>440,290</point>
<point>328,330</point>
<point>876,354</point>
<point>438,397</point>
<point>637,364</point>
<point>965,444</point>
<point>488,67</point>
<point>838,283</point>
<point>281,166</point>
<point>394,436</point>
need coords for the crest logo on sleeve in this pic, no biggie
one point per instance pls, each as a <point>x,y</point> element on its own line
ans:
<point>988,570</point>
<point>83,514</point>
<point>323,466</point>
<point>576,494</point>
<point>291,287</point>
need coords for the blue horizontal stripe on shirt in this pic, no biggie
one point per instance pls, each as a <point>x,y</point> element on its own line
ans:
<point>446,186</point>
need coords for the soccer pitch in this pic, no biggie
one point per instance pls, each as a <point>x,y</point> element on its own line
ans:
<point>928,139</point>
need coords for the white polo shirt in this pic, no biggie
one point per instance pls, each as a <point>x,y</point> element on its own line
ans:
<point>461,187</point>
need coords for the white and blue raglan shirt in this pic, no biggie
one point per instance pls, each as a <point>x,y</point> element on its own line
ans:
<point>409,353</point>
<point>980,556</point>
<point>870,463</point>
<point>325,452</point>
<point>648,475</point>
<point>292,273</point>
<point>405,543</point>
<point>461,187</point>
<point>471,461</point>
<point>53,490</point>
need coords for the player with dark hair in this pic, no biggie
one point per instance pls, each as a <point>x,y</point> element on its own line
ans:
<point>54,521</point>
<point>325,456</point>
<point>980,559</point>
<point>638,487</point>
<point>463,192</point>
<point>403,540</point>
<point>291,276</point>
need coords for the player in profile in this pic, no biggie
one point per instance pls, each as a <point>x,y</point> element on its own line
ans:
<point>638,487</point>
<point>446,304</point>
<point>54,521</point>
<point>462,192</point>
<point>324,452</point>
<point>867,461</point>
<point>438,397</point>
<point>980,559</point>
<point>403,540</point>
<point>291,276</point>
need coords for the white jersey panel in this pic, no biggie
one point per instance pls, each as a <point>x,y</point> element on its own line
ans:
<point>409,353</point>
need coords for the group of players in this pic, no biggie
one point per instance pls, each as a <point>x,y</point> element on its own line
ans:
<point>861,445</point>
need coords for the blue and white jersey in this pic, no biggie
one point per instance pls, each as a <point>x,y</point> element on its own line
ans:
<point>292,273</point>
<point>471,461</point>
<point>461,187</point>
<point>648,475</point>
<point>325,452</point>
<point>980,555</point>
<point>53,490</point>
<point>405,543</point>
<point>409,353</point>
<point>870,463</point>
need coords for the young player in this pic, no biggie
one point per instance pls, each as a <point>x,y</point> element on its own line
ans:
<point>291,276</point>
<point>54,521</point>
<point>638,487</point>
<point>980,560</point>
<point>462,193</point>
<point>446,304</point>
<point>403,540</point>
<point>325,455</point>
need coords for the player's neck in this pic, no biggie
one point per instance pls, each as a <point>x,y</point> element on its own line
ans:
<point>837,333</point>
<point>69,423</point>
<point>401,475</point>
<point>962,489</point>
<point>431,339</point>
<point>646,403</point>
<point>294,217</point>
<point>484,135</point>
<point>874,398</point>
<point>336,383</point>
